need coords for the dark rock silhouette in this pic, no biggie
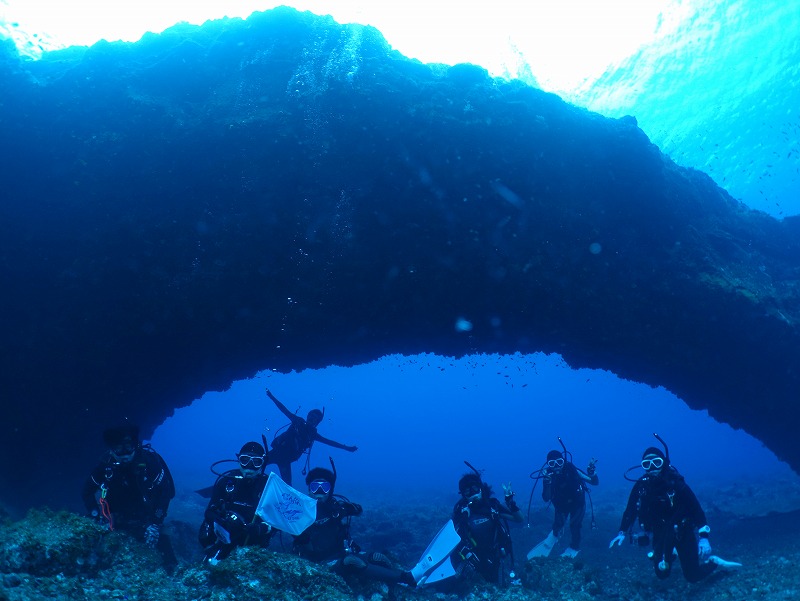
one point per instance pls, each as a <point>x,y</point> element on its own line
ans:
<point>285,192</point>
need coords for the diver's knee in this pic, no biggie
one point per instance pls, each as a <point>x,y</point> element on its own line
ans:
<point>379,559</point>
<point>353,563</point>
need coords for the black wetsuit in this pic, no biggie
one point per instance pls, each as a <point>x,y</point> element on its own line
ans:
<point>290,445</point>
<point>138,492</point>
<point>326,539</point>
<point>484,535</point>
<point>567,491</point>
<point>667,508</point>
<point>232,507</point>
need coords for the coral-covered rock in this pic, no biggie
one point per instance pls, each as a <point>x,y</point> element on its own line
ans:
<point>46,543</point>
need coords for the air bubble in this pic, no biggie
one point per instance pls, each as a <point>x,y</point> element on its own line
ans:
<point>463,325</point>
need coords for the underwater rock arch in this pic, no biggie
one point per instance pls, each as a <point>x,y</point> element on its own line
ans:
<point>286,192</point>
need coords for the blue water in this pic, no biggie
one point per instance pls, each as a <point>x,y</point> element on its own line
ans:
<point>417,419</point>
<point>719,93</point>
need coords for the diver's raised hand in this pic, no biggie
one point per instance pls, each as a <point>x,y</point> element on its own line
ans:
<point>509,496</point>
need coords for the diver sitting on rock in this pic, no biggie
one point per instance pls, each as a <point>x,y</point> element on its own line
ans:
<point>230,518</point>
<point>328,540</point>
<point>131,488</point>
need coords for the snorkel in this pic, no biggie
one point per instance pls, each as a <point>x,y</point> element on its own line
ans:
<point>667,463</point>
<point>666,450</point>
<point>266,453</point>
<point>567,454</point>
<point>333,465</point>
<point>566,457</point>
<point>472,467</point>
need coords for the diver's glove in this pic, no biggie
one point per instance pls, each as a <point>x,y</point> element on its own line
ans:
<point>703,550</point>
<point>617,540</point>
<point>509,496</point>
<point>258,530</point>
<point>703,545</point>
<point>592,467</point>
<point>151,535</point>
<point>349,508</point>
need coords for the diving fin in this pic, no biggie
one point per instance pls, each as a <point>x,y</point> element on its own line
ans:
<point>205,492</point>
<point>570,553</point>
<point>435,555</point>
<point>544,548</point>
<point>724,564</point>
<point>444,570</point>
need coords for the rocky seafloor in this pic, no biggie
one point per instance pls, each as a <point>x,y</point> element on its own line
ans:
<point>59,555</point>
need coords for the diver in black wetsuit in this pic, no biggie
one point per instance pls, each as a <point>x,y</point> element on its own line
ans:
<point>130,490</point>
<point>328,540</point>
<point>565,486</point>
<point>230,518</point>
<point>481,521</point>
<point>290,445</point>
<point>669,511</point>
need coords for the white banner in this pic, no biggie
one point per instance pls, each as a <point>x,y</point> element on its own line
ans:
<point>285,508</point>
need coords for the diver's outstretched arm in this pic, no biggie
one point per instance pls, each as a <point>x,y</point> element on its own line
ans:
<point>280,405</point>
<point>333,443</point>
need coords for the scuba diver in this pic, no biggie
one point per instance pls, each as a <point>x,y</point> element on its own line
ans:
<point>300,435</point>
<point>130,490</point>
<point>669,511</point>
<point>482,523</point>
<point>328,541</point>
<point>565,486</point>
<point>230,519</point>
